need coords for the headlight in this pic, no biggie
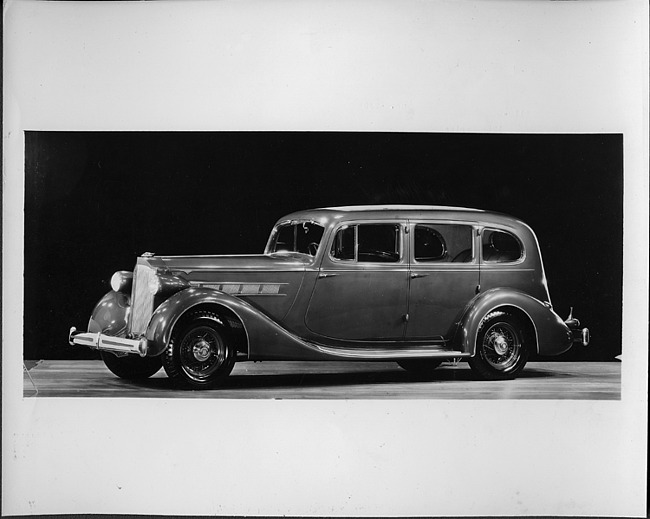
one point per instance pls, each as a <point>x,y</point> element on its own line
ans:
<point>167,284</point>
<point>121,281</point>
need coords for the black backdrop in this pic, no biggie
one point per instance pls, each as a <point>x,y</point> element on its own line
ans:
<point>95,200</point>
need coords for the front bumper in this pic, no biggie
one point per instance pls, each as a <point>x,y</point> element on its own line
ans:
<point>103,342</point>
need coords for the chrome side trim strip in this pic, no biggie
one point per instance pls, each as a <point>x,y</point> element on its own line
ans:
<point>489,267</point>
<point>422,268</point>
<point>235,288</point>
<point>373,267</point>
<point>229,269</point>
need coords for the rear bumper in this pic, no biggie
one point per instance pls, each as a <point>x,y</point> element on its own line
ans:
<point>103,342</point>
<point>580,335</point>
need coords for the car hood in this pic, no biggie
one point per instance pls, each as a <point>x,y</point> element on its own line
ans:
<point>270,283</point>
<point>233,263</point>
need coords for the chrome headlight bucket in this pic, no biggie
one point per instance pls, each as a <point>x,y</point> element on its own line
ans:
<point>122,281</point>
<point>166,284</point>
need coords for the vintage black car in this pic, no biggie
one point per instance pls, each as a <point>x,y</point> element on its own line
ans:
<point>415,284</point>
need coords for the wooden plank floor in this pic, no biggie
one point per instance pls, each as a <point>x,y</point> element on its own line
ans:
<point>335,380</point>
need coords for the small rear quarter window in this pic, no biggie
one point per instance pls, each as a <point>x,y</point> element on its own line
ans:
<point>500,246</point>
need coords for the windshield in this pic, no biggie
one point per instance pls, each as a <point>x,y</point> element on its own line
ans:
<point>301,237</point>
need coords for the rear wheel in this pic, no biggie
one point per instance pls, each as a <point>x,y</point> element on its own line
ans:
<point>201,352</point>
<point>501,351</point>
<point>131,367</point>
<point>420,367</point>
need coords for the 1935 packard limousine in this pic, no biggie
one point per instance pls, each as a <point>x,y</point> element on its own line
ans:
<point>413,284</point>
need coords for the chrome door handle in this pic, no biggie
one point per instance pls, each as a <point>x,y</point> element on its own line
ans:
<point>415,275</point>
<point>321,276</point>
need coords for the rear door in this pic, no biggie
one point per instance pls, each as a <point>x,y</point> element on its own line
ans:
<point>443,277</point>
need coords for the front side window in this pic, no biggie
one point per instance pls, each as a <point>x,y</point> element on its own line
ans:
<point>443,243</point>
<point>500,246</point>
<point>372,242</point>
<point>301,237</point>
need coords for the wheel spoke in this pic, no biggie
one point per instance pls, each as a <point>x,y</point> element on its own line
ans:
<point>201,353</point>
<point>500,346</point>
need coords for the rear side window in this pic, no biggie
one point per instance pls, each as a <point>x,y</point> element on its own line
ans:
<point>500,246</point>
<point>443,243</point>
<point>372,242</point>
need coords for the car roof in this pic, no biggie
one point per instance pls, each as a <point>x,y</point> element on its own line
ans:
<point>327,215</point>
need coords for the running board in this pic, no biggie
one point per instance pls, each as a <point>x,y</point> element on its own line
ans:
<point>392,354</point>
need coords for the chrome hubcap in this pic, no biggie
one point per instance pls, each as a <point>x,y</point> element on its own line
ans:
<point>500,344</point>
<point>201,351</point>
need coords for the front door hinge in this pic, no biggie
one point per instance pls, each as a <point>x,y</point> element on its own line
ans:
<point>405,317</point>
<point>478,288</point>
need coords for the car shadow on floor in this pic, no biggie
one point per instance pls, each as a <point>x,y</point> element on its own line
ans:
<point>358,378</point>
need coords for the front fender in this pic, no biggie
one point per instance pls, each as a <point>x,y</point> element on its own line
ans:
<point>552,335</point>
<point>170,311</point>
<point>267,339</point>
<point>110,315</point>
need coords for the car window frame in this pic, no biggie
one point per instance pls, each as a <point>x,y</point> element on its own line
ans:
<point>474,226</point>
<point>294,221</point>
<point>403,243</point>
<point>512,232</point>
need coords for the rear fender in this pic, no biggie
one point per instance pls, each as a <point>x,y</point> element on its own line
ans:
<point>552,336</point>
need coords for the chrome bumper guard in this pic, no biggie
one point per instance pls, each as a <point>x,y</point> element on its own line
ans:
<point>580,335</point>
<point>103,342</point>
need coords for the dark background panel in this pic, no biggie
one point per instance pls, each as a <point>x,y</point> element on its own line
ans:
<point>96,200</point>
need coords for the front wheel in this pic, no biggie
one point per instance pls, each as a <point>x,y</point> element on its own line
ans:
<point>131,367</point>
<point>501,351</point>
<point>201,353</point>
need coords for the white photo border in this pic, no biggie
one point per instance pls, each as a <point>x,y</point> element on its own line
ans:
<point>473,66</point>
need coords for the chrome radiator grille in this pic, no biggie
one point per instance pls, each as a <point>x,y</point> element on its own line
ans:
<point>141,299</point>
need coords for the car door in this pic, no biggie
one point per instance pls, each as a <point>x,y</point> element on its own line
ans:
<point>443,277</point>
<point>361,290</point>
